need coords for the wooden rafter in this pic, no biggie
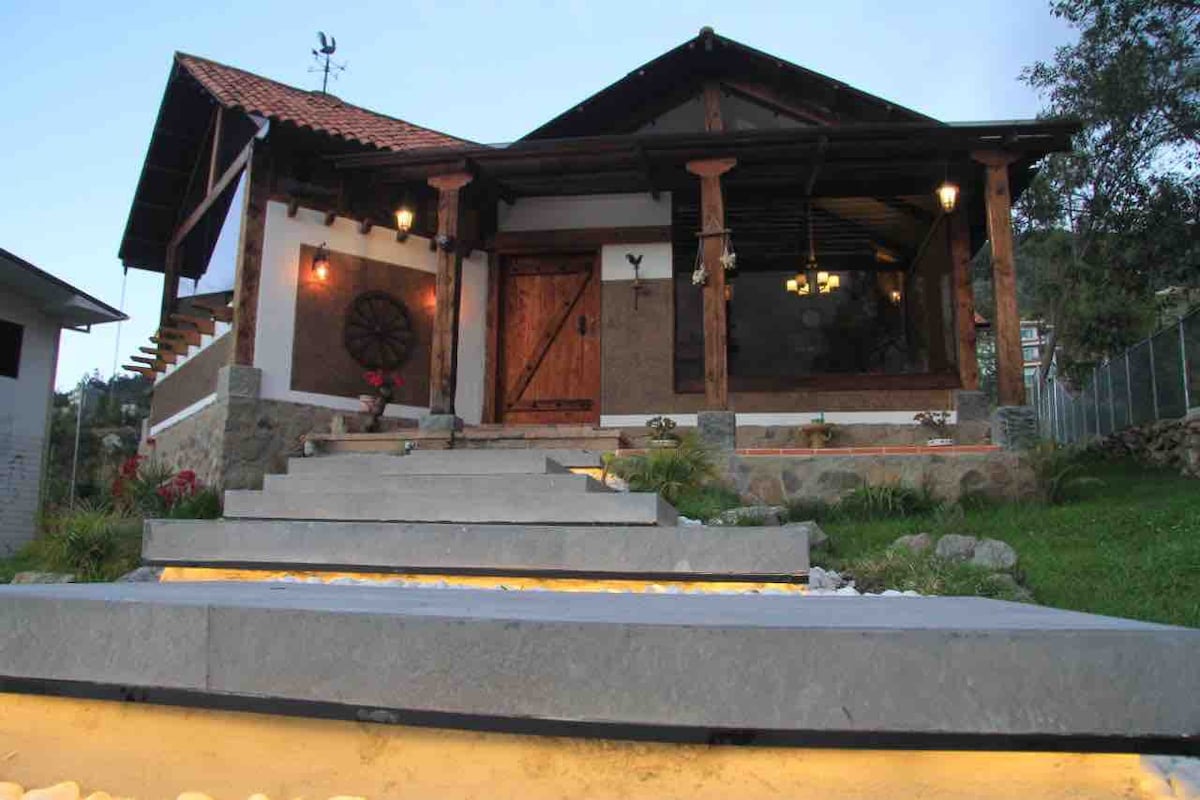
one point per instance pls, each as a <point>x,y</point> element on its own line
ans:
<point>191,337</point>
<point>161,353</point>
<point>145,372</point>
<point>227,177</point>
<point>221,313</point>
<point>204,325</point>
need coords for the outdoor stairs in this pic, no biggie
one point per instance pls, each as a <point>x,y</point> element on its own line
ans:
<point>672,667</point>
<point>469,512</point>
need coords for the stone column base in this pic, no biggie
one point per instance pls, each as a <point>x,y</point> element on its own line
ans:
<point>440,422</point>
<point>1015,427</point>
<point>718,429</point>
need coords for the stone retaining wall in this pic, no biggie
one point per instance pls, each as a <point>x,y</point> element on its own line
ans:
<point>770,479</point>
<point>1171,443</point>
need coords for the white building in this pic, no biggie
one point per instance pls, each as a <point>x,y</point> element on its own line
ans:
<point>34,308</point>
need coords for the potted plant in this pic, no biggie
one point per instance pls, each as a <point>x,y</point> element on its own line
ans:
<point>384,383</point>
<point>817,433</point>
<point>662,432</point>
<point>938,422</point>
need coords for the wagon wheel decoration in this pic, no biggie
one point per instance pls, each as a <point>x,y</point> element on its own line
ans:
<point>378,332</point>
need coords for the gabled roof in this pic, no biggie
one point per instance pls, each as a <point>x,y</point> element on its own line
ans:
<point>167,188</point>
<point>238,89</point>
<point>54,297</point>
<point>679,73</point>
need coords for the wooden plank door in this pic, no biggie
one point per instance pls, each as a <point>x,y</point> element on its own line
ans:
<point>549,369</point>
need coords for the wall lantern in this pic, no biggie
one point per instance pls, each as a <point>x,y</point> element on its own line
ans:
<point>947,195</point>
<point>895,296</point>
<point>320,264</point>
<point>404,222</point>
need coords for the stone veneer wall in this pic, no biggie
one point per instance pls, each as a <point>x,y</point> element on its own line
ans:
<point>1170,443</point>
<point>260,435</point>
<point>772,480</point>
<point>194,443</point>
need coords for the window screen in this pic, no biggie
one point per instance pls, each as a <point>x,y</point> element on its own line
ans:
<point>10,348</point>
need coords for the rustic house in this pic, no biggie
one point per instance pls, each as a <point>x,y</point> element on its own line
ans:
<point>721,236</point>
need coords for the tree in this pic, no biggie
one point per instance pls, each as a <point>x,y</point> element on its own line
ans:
<point>1107,225</point>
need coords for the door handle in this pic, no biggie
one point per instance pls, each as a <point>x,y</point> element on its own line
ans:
<point>581,324</point>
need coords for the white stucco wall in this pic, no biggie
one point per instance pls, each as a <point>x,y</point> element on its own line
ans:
<point>282,240</point>
<point>24,413</point>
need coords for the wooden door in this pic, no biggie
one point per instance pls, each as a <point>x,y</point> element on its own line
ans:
<point>549,370</point>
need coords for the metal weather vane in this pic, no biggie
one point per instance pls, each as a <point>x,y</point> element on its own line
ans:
<point>325,64</point>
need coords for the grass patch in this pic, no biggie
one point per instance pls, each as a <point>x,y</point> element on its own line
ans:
<point>1128,546</point>
<point>706,502</point>
<point>902,569</point>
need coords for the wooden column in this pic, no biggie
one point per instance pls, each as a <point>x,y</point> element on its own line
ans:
<point>964,299</point>
<point>249,258</point>
<point>445,319</point>
<point>712,228</point>
<point>1010,379</point>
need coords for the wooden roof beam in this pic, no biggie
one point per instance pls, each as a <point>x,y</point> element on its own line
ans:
<point>868,233</point>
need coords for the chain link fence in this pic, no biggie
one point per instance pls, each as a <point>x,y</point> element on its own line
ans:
<point>1158,378</point>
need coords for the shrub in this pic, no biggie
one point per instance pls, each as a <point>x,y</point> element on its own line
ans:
<point>884,501</point>
<point>902,569</point>
<point>673,473</point>
<point>147,488</point>
<point>91,541</point>
<point>801,509</point>
<point>1056,470</point>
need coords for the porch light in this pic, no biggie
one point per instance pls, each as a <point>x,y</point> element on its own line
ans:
<point>947,195</point>
<point>404,222</point>
<point>320,264</point>
<point>894,296</point>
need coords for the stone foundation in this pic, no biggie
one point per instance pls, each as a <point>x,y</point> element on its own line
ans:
<point>769,479</point>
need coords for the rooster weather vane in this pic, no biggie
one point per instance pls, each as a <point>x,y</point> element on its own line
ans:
<point>325,65</point>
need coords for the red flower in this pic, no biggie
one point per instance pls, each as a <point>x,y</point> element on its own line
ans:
<point>397,381</point>
<point>374,378</point>
<point>129,468</point>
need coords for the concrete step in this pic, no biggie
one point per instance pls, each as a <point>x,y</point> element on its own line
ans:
<point>431,462</point>
<point>1003,675</point>
<point>465,485</point>
<point>651,552</point>
<point>448,505</point>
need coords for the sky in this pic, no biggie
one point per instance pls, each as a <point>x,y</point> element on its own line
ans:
<point>83,80</point>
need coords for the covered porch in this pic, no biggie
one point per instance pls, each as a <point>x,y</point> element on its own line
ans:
<point>778,275</point>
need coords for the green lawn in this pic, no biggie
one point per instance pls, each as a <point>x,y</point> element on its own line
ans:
<point>1127,548</point>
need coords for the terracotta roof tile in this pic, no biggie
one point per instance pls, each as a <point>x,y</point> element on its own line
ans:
<point>236,88</point>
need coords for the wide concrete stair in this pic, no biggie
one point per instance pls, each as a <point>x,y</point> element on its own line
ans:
<point>469,512</point>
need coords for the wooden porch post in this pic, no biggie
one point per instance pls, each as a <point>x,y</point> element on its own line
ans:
<point>1010,379</point>
<point>445,318</point>
<point>712,229</point>
<point>964,294</point>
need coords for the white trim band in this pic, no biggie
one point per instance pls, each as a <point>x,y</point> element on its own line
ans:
<point>788,418</point>
<point>180,416</point>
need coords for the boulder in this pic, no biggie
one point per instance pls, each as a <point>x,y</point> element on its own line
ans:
<point>43,577</point>
<point>994,554</point>
<point>916,542</point>
<point>956,547</point>
<point>751,515</point>
<point>819,578</point>
<point>817,538</point>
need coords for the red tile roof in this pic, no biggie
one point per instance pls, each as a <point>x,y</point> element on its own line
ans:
<point>236,88</point>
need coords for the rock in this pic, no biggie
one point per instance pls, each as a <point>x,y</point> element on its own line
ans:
<point>819,578</point>
<point>847,591</point>
<point>956,547</point>
<point>689,521</point>
<point>1007,588</point>
<point>916,542</point>
<point>995,555</point>
<point>817,538</point>
<point>67,790</point>
<point>751,515</point>
<point>142,575</point>
<point>43,577</point>
<point>11,791</point>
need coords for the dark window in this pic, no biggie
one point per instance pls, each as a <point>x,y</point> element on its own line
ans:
<point>10,348</point>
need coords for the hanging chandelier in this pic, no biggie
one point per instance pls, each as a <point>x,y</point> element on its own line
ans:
<point>812,280</point>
